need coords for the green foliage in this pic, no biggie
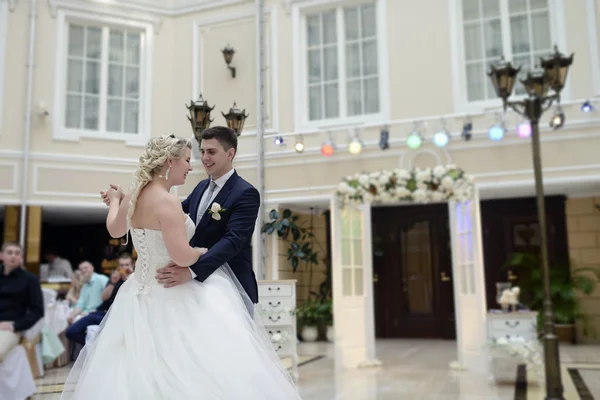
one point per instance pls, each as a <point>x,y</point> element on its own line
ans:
<point>564,285</point>
<point>301,247</point>
<point>314,312</point>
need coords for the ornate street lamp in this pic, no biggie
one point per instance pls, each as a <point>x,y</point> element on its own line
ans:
<point>199,116</point>
<point>235,119</point>
<point>552,75</point>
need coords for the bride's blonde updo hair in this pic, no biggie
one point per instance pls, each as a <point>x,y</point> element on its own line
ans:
<point>158,151</point>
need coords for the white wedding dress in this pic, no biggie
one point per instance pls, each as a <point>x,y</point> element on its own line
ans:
<point>193,341</point>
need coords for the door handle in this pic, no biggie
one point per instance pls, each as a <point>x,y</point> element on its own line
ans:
<point>444,277</point>
<point>375,278</point>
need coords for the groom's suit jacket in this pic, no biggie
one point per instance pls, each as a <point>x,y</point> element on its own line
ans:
<point>229,239</point>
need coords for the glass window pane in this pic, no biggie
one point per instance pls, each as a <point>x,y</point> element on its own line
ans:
<point>351,23</point>
<point>371,95</point>
<point>353,97</point>
<point>331,100</point>
<point>113,115</point>
<point>347,282</point>
<point>75,76</point>
<point>133,49</point>
<point>517,6</point>
<point>331,63</point>
<point>357,258</point>
<point>94,43</point>
<point>519,33</point>
<point>369,54</point>
<point>131,116</point>
<point>346,224</point>
<point>475,84</point>
<point>73,111</point>
<point>90,112</point>
<point>115,80</point>
<point>493,38</point>
<point>115,46</point>
<point>368,21</point>
<point>540,29</point>
<point>352,60</point>
<point>358,282</point>
<point>92,77</point>
<point>490,8</point>
<point>313,30</point>
<point>470,9</point>
<point>538,4</point>
<point>329,28</point>
<point>132,82</point>
<point>346,252</point>
<point>314,102</point>
<point>473,42</point>
<point>314,66</point>
<point>357,232</point>
<point>76,40</point>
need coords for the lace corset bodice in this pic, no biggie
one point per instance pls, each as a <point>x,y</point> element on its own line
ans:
<point>152,254</point>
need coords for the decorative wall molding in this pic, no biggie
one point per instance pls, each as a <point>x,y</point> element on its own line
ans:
<point>15,178</point>
<point>157,8</point>
<point>203,26</point>
<point>116,9</point>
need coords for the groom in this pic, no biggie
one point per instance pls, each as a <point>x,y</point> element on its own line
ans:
<point>224,209</point>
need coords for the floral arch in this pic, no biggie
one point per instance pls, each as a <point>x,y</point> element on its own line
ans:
<point>418,185</point>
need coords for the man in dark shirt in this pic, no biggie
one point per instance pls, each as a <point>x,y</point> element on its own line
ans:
<point>21,299</point>
<point>77,331</point>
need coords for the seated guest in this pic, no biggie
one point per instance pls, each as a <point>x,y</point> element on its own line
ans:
<point>75,289</point>
<point>21,299</point>
<point>57,267</point>
<point>77,331</point>
<point>91,292</point>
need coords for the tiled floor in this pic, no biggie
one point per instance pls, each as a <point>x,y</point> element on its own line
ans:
<point>412,369</point>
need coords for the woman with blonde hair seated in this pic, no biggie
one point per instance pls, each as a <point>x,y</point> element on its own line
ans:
<point>75,289</point>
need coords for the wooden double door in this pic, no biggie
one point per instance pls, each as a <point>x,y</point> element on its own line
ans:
<point>412,272</point>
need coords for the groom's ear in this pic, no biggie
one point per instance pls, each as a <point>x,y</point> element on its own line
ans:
<point>230,154</point>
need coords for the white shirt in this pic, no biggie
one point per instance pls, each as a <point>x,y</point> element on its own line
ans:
<point>220,182</point>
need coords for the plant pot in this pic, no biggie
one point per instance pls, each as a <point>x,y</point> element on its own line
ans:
<point>330,333</point>
<point>566,333</point>
<point>310,333</point>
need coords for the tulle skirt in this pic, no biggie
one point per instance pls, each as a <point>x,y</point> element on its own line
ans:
<point>193,341</point>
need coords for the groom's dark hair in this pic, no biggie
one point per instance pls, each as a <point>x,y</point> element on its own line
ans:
<point>224,135</point>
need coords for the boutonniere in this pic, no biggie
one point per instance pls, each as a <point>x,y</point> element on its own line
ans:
<point>215,211</point>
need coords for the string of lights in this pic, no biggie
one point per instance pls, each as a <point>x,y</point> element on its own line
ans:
<point>416,136</point>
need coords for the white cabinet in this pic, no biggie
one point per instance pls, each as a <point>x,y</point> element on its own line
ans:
<point>276,306</point>
<point>512,325</point>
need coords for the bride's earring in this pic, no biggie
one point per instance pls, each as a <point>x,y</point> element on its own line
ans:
<point>167,174</point>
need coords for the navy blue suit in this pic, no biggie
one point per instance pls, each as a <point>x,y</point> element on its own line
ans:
<point>229,240</point>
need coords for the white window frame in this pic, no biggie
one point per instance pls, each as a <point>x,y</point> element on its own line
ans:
<point>3,36</point>
<point>301,8</point>
<point>556,12</point>
<point>60,131</point>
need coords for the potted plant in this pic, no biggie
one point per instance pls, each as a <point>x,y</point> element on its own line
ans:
<point>564,286</point>
<point>326,311</point>
<point>308,317</point>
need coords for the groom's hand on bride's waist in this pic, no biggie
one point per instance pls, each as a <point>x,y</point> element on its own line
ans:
<point>173,275</point>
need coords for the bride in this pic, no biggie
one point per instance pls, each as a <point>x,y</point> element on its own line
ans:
<point>193,341</point>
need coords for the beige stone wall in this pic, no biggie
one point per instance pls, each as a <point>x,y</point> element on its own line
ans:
<point>305,283</point>
<point>583,225</point>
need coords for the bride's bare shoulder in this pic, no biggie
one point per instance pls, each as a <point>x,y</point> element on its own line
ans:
<point>171,200</point>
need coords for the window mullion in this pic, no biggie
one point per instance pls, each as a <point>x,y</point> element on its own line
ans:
<point>505,26</point>
<point>83,79</point>
<point>483,55</point>
<point>322,62</point>
<point>342,103</point>
<point>123,84</point>
<point>531,42</point>
<point>361,65</point>
<point>104,53</point>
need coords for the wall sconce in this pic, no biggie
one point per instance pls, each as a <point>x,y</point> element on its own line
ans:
<point>199,116</point>
<point>228,53</point>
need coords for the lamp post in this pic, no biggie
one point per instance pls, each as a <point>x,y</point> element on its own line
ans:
<point>552,75</point>
<point>200,117</point>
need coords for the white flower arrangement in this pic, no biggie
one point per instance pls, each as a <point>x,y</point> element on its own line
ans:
<point>279,337</point>
<point>530,351</point>
<point>441,183</point>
